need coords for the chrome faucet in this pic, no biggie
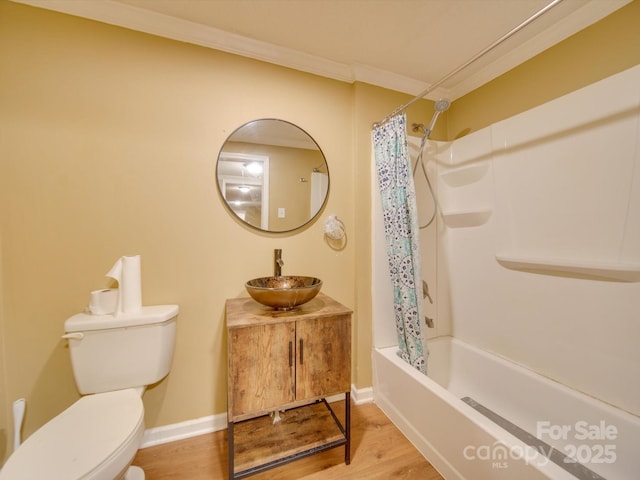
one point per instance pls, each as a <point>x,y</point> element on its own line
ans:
<point>277,262</point>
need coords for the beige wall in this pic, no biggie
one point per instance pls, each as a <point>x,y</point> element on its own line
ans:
<point>108,142</point>
<point>5,420</point>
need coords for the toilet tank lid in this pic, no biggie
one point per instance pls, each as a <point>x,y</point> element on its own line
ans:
<point>147,315</point>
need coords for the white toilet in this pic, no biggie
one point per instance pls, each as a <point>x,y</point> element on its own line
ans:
<point>96,438</point>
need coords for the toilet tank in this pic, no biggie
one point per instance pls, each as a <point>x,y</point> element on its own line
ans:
<point>129,350</point>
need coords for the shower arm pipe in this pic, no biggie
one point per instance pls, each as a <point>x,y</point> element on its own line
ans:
<point>435,85</point>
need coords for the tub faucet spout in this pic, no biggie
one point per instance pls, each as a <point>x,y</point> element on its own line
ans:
<point>277,262</point>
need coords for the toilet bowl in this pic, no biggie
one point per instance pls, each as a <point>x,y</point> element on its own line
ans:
<point>96,438</point>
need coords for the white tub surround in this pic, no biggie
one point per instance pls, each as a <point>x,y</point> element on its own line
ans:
<point>535,258</point>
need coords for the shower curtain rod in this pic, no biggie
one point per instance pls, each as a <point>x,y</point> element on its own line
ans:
<point>468,62</point>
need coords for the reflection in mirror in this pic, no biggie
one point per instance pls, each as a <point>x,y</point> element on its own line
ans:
<point>272,175</point>
<point>244,183</point>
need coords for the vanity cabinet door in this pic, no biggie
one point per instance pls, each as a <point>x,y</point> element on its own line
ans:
<point>261,367</point>
<point>323,356</point>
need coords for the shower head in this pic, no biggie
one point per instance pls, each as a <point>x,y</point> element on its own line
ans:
<point>440,106</point>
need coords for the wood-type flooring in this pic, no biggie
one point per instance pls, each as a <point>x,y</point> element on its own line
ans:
<point>378,452</point>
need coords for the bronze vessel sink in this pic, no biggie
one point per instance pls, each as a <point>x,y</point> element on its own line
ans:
<point>283,292</point>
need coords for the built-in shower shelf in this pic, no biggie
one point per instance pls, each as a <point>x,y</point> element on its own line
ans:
<point>469,218</point>
<point>465,175</point>
<point>619,271</point>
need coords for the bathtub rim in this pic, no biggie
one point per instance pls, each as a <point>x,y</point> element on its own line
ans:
<point>543,466</point>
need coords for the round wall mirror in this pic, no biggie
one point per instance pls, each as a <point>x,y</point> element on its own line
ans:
<point>272,175</point>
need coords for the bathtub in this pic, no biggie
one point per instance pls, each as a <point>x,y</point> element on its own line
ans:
<point>461,442</point>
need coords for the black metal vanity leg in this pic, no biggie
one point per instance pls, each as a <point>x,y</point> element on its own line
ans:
<point>347,427</point>
<point>230,446</point>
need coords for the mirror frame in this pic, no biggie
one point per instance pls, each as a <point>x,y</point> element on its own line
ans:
<point>223,180</point>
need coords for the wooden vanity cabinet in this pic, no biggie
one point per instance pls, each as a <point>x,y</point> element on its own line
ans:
<point>286,361</point>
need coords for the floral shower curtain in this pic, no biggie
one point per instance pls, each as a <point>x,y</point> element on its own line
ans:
<point>400,214</point>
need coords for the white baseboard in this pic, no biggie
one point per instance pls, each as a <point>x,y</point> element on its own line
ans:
<point>179,431</point>
<point>362,395</point>
<point>213,423</point>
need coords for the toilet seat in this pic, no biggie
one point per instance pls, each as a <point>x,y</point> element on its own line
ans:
<point>95,438</point>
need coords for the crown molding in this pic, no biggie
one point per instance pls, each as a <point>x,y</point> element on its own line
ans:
<point>386,79</point>
<point>134,18</point>
<point>141,20</point>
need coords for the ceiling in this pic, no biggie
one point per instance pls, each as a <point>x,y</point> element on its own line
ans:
<point>404,45</point>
